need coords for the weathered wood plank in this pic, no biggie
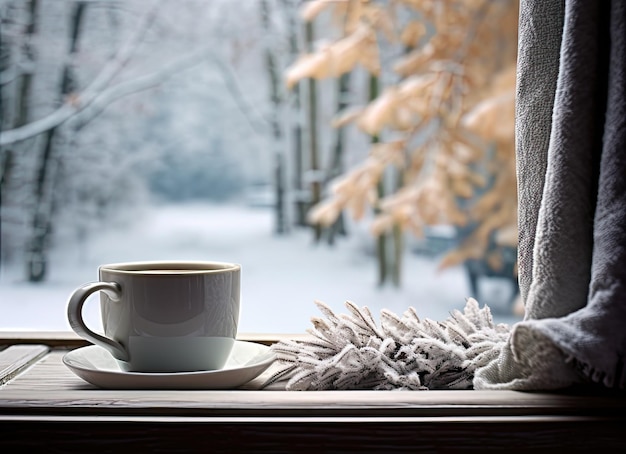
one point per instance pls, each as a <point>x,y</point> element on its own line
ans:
<point>312,435</point>
<point>51,373</point>
<point>16,358</point>
<point>48,407</point>
<point>48,374</point>
<point>318,403</point>
<point>51,388</point>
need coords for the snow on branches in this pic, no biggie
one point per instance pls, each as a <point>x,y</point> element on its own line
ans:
<point>350,351</point>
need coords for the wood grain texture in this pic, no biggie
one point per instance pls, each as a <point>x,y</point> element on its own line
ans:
<point>50,388</point>
<point>45,407</point>
<point>312,404</point>
<point>16,358</point>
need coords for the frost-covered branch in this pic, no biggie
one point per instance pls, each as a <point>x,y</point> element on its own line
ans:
<point>141,83</point>
<point>97,96</point>
<point>77,103</point>
<point>350,351</point>
<point>230,79</point>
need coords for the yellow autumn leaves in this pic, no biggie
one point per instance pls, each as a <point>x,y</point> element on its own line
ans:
<point>335,59</point>
<point>449,114</point>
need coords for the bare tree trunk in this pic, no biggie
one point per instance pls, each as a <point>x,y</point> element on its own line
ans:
<point>23,106</point>
<point>22,102</point>
<point>37,260</point>
<point>6,166</point>
<point>381,240</point>
<point>5,157</point>
<point>276,98</point>
<point>4,63</point>
<point>301,204</point>
<point>397,237</point>
<point>316,188</point>
<point>389,246</point>
<point>336,164</point>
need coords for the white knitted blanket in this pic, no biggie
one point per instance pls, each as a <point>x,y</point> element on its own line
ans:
<point>350,351</point>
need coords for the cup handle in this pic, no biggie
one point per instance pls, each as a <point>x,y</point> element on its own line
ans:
<point>75,317</point>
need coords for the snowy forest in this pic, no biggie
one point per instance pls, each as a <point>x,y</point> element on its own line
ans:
<point>88,128</point>
<point>390,121</point>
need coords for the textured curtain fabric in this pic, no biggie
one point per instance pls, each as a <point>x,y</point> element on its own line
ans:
<point>571,151</point>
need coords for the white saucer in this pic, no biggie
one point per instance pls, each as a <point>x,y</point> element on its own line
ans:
<point>96,366</point>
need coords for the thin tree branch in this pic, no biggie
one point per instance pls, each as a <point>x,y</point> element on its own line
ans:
<point>83,100</point>
<point>147,81</point>
<point>258,124</point>
<point>99,101</point>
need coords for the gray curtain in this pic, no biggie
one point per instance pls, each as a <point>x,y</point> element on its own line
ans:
<point>571,152</point>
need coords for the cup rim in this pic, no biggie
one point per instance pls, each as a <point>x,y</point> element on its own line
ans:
<point>186,267</point>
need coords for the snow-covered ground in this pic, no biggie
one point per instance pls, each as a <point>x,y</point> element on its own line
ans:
<point>282,276</point>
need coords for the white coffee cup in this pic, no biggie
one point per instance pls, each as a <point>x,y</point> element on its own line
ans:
<point>170,316</point>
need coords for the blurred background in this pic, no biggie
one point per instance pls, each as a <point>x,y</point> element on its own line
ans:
<point>339,150</point>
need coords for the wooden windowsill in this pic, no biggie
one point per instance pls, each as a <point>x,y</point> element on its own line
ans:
<point>41,396</point>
